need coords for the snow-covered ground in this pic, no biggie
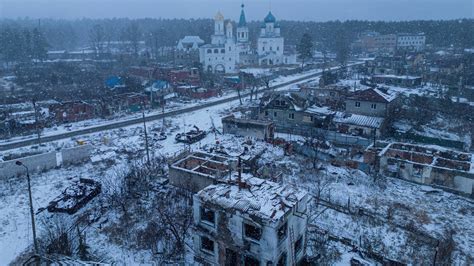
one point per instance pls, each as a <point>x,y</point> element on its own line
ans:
<point>113,149</point>
<point>403,207</point>
<point>176,105</point>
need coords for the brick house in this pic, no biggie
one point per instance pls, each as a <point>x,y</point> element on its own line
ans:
<point>72,111</point>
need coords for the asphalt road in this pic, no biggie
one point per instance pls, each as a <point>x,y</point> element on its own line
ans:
<point>133,121</point>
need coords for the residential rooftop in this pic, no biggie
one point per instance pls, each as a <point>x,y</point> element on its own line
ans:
<point>256,197</point>
<point>373,95</point>
<point>358,120</point>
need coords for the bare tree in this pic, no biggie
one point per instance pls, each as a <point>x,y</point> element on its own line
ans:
<point>175,216</point>
<point>57,236</point>
<point>132,36</point>
<point>97,38</point>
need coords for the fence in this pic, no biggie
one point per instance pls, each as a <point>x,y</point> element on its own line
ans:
<point>329,135</point>
<point>432,140</point>
<point>45,161</point>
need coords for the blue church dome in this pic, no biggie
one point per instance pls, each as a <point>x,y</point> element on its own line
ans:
<point>270,18</point>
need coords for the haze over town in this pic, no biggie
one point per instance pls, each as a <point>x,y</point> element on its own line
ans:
<point>307,10</point>
<point>222,132</point>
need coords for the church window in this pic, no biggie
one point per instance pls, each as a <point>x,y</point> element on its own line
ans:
<point>223,51</point>
<point>209,51</point>
<point>216,51</point>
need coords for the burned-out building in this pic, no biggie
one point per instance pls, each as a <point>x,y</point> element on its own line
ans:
<point>195,171</point>
<point>401,81</point>
<point>290,111</point>
<point>250,222</point>
<point>197,92</point>
<point>386,65</point>
<point>71,111</point>
<point>332,95</point>
<point>258,129</point>
<point>448,169</point>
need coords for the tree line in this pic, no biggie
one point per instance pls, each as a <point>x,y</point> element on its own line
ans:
<point>20,44</point>
<point>22,38</point>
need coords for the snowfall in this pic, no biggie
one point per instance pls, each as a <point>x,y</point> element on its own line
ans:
<point>430,212</point>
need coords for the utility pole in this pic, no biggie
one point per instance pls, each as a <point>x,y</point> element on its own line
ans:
<point>375,134</point>
<point>32,214</point>
<point>146,135</point>
<point>36,122</point>
<point>241,86</point>
<point>163,112</point>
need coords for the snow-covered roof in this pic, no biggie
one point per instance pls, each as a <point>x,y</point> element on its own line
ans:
<point>319,110</point>
<point>158,85</point>
<point>292,98</point>
<point>192,39</point>
<point>397,77</point>
<point>359,120</point>
<point>386,96</point>
<point>190,42</point>
<point>246,121</point>
<point>256,197</point>
<point>373,95</point>
<point>57,52</point>
<point>231,145</point>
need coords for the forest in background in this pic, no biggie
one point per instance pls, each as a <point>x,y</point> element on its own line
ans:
<point>73,34</point>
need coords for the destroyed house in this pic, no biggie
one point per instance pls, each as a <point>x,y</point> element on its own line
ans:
<point>294,114</point>
<point>441,167</point>
<point>258,129</point>
<point>383,65</point>
<point>199,169</point>
<point>401,81</point>
<point>371,102</point>
<point>73,111</point>
<point>197,92</point>
<point>331,95</point>
<point>250,222</point>
<point>128,102</point>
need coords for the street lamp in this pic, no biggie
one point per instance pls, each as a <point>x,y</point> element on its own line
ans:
<point>31,206</point>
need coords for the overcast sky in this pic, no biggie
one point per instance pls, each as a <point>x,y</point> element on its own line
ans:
<point>316,10</point>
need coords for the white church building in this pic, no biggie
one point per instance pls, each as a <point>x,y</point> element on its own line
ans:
<point>227,53</point>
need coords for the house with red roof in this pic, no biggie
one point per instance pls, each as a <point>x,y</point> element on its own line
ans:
<point>370,102</point>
